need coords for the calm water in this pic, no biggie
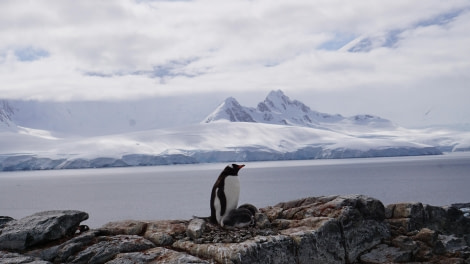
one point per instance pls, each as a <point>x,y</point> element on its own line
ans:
<point>180,191</point>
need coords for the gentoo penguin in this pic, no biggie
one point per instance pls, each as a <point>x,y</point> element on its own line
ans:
<point>243,216</point>
<point>240,217</point>
<point>225,193</point>
<point>250,207</point>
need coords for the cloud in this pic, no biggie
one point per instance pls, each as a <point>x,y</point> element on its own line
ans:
<point>112,50</point>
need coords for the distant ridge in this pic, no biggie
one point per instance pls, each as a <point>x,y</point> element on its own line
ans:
<point>6,112</point>
<point>279,109</point>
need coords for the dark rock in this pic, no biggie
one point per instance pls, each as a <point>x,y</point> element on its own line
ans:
<point>40,228</point>
<point>16,258</point>
<point>386,254</point>
<point>107,248</point>
<point>156,255</point>
<point>61,253</point>
<point>4,220</point>
<point>405,243</point>
<point>453,244</point>
<point>326,229</point>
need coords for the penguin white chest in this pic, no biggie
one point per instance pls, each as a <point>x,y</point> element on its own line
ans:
<point>232,193</point>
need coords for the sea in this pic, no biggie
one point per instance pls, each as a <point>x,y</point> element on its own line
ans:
<point>182,191</point>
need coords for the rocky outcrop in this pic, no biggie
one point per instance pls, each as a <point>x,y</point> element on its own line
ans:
<point>40,228</point>
<point>331,229</point>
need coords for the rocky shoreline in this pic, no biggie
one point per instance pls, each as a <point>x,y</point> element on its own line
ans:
<point>327,229</point>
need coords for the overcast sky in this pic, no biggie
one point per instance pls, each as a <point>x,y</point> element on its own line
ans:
<point>408,61</point>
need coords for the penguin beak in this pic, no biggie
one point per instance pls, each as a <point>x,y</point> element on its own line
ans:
<point>241,166</point>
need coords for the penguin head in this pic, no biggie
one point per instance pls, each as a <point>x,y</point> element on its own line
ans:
<point>232,169</point>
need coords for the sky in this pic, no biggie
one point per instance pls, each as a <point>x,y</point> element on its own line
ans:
<point>408,61</point>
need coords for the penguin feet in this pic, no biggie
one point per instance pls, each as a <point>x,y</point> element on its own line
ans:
<point>243,216</point>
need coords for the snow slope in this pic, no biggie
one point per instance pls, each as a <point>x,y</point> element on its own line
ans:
<point>213,142</point>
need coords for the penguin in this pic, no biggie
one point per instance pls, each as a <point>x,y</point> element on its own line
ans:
<point>243,216</point>
<point>240,217</point>
<point>250,207</point>
<point>225,193</point>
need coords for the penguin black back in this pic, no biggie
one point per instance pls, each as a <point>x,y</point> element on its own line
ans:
<point>219,193</point>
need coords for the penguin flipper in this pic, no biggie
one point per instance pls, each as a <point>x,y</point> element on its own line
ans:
<point>223,201</point>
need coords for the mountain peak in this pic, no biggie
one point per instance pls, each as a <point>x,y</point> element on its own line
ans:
<point>277,108</point>
<point>278,101</point>
<point>230,110</point>
<point>276,94</point>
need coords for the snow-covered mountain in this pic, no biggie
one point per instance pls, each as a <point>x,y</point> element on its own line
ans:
<point>97,118</point>
<point>279,109</point>
<point>277,129</point>
<point>213,142</point>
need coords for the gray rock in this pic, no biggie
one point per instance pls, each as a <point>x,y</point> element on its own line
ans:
<point>40,228</point>
<point>262,221</point>
<point>386,254</point>
<point>16,258</point>
<point>4,220</point>
<point>332,229</point>
<point>270,249</point>
<point>64,251</point>
<point>107,248</point>
<point>360,219</point>
<point>454,244</point>
<point>165,232</point>
<point>195,228</point>
<point>126,227</point>
<point>405,243</point>
<point>156,255</point>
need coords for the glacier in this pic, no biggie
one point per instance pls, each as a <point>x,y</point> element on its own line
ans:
<point>200,143</point>
<point>277,129</point>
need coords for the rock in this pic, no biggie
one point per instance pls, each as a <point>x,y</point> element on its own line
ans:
<point>195,228</point>
<point>386,254</point>
<point>61,253</point>
<point>360,219</point>
<point>405,243</point>
<point>333,229</point>
<point>40,228</point>
<point>127,227</point>
<point>408,217</point>
<point>12,258</point>
<point>165,232</point>
<point>262,221</point>
<point>4,220</point>
<point>107,248</point>
<point>269,249</point>
<point>454,244</point>
<point>156,255</point>
<point>326,229</point>
<point>427,236</point>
